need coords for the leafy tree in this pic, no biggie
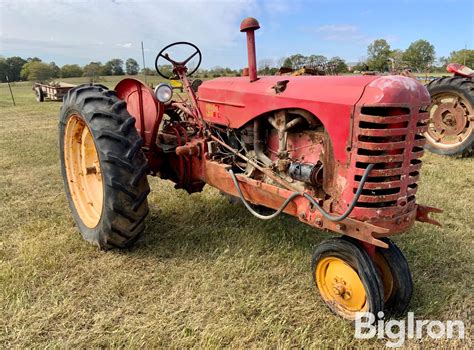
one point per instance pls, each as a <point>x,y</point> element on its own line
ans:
<point>360,67</point>
<point>71,71</point>
<point>420,55</point>
<point>397,64</point>
<point>461,55</point>
<point>37,71</point>
<point>315,61</point>
<point>3,70</point>
<point>338,65</point>
<point>287,63</point>
<point>92,71</point>
<point>106,69</point>
<point>131,67</point>
<point>33,59</point>
<point>116,66</point>
<point>55,69</point>
<point>378,53</point>
<point>14,66</point>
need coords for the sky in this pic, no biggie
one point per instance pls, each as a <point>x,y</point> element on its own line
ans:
<point>69,32</point>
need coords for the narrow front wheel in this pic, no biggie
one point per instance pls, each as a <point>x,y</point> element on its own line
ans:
<point>346,278</point>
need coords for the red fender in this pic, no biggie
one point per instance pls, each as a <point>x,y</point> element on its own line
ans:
<point>143,106</point>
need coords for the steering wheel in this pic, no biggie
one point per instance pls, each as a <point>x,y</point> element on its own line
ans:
<point>175,63</point>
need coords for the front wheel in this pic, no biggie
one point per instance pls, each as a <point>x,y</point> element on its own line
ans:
<point>396,278</point>
<point>346,278</point>
<point>103,167</point>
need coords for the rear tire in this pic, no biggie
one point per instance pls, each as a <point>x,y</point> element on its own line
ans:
<point>116,181</point>
<point>451,129</point>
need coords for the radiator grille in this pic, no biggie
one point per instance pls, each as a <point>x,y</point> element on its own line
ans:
<point>391,138</point>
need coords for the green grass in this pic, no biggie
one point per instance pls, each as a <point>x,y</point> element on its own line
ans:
<point>205,273</point>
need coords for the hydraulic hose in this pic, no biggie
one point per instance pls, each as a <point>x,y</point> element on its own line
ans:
<point>308,197</point>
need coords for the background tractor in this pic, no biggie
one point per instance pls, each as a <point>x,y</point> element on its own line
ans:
<point>451,126</point>
<point>341,154</point>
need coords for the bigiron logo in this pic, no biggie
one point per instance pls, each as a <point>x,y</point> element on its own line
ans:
<point>397,331</point>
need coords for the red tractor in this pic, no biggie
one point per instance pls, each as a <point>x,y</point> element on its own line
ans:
<point>451,126</point>
<point>341,154</point>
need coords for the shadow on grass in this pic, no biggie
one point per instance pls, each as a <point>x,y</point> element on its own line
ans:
<point>202,225</point>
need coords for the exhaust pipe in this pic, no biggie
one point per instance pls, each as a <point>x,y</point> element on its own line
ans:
<point>249,26</point>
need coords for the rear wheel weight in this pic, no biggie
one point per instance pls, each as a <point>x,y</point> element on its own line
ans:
<point>346,278</point>
<point>103,167</point>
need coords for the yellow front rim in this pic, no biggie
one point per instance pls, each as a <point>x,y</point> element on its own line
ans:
<point>341,287</point>
<point>83,171</point>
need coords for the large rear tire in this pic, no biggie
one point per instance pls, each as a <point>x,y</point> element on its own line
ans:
<point>451,125</point>
<point>103,167</point>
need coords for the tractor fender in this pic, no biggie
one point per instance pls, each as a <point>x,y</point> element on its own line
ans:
<point>143,106</point>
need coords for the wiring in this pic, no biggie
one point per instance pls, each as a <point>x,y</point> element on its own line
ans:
<point>308,197</point>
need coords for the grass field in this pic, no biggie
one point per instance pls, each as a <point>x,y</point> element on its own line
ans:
<point>205,273</point>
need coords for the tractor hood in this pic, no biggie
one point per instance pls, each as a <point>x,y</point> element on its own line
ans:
<point>233,102</point>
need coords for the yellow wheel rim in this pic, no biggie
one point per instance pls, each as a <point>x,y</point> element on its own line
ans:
<point>83,171</point>
<point>386,275</point>
<point>341,287</point>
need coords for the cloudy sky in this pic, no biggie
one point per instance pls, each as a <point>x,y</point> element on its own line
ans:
<point>86,30</point>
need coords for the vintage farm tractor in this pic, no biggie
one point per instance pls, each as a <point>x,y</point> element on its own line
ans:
<point>451,125</point>
<point>341,154</point>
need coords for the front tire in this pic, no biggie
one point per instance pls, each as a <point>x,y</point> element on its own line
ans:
<point>396,278</point>
<point>103,167</point>
<point>346,278</point>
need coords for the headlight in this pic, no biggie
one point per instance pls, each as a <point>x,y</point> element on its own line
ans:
<point>164,92</point>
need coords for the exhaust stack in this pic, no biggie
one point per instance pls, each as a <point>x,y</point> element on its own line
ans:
<point>249,26</point>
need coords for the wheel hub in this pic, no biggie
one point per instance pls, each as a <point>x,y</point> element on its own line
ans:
<point>449,118</point>
<point>341,286</point>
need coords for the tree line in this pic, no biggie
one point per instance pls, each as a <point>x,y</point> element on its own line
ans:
<point>333,65</point>
<point>419,56</point>
<point>34,69</point>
